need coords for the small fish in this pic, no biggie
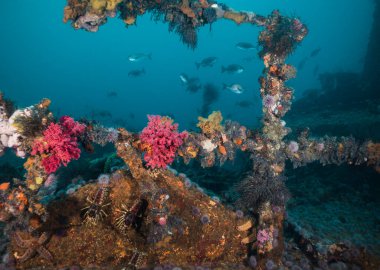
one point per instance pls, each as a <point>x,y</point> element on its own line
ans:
<point>184,78</point>
<point>234,88</point>
<point>302,63</point>
<point>193,85</point>
<point>207,62</point>
<point>137,57</point>
<point>112,94</point>
<point>315,52</point>
<point>244,104</point>
<point>136,72</point>
<point>233,69</point>
<point>245,46</point>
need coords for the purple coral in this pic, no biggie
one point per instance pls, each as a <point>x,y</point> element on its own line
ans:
<point>104,179</point>
<point>252,261</point>
<point>320,147</point>
<point>205,219</point>
<point>195,211</point>
<point>188,183</point>
<point>270,265</point>
<point>293,147</point>
<point>116,176</point>
<point>268,101</point>
<point>239,214</point>
<point>262,237</point>
<point>51,180</point>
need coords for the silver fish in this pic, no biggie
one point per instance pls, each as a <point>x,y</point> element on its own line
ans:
<point>136,57</point>
<point>184,78</point>
<point>245,46</point>
<point>234,88</point>
<point>233,69</point>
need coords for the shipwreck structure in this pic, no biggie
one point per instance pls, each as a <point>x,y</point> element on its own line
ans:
<point>146,215</point>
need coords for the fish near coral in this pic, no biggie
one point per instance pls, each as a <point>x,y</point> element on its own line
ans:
<point>245,46</point>
<point>234,88</point>
<point>232,69</point>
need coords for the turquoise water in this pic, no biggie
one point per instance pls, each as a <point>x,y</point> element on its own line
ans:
<point>43,57</point>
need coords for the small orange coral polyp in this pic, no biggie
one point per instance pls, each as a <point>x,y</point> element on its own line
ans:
<point>222,150</point>
<point>4,186</point>
<point>192,151</point>
<point>21,197</point>
<point>130,20</point>
<point>238,141</point>
<point>273,69</point>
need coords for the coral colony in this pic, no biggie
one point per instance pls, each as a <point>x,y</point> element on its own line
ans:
<point>58,146</point>
<point>145,215</point>
<point>160,140</point>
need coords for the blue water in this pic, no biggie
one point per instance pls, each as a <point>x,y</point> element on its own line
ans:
<point>40,56</point>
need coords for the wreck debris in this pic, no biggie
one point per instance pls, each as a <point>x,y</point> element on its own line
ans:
<point>189,217</point>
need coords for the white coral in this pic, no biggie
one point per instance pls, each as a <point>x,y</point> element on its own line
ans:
<point>208,145</point>
<point>9,137</point>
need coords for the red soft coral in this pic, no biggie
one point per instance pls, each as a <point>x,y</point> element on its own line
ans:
<point>161,140</point>
<point>71,127</point>
<point>58,146</point>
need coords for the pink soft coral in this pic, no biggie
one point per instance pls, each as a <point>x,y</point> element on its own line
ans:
<point>263,236</point>
<point>70,126</point>
<point>58,146</point>
<point>161,140</point>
